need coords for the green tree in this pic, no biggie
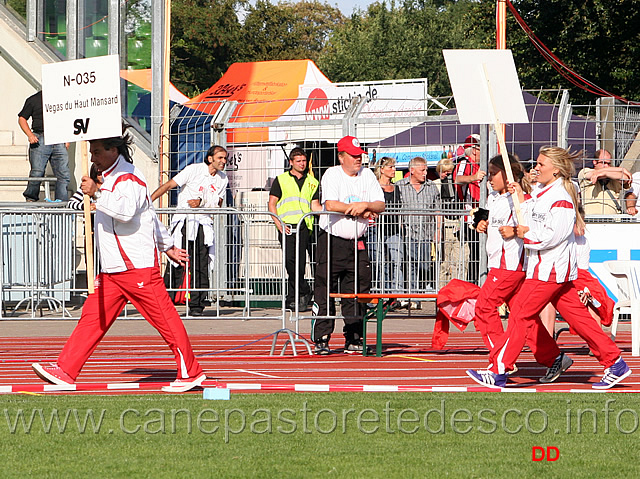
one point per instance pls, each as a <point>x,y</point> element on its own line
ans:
<point>598,39</point>
<point>287,31</point>
<point>205,40</point>
<point>405,40</point>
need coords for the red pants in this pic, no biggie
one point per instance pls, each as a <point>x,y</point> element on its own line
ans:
<point>499,288</point>
<point>146,291</point>
<point>525,323</point>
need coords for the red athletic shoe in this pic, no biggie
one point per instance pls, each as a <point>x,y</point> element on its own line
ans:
<point>53,374</point>
<point>183,385</point>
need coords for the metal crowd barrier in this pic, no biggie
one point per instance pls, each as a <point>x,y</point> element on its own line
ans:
<point>37,259</point>
<point>403,253</point>
<point>44,274</point>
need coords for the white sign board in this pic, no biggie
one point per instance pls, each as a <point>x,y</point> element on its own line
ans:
<point>384,99</point>
<point>486,87</point>
<point>81,100</point>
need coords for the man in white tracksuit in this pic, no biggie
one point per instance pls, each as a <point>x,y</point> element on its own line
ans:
<point>128,236</point>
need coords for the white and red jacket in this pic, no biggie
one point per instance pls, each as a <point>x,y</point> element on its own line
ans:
<point>550,241</point>
<point>503,254</point>
<point>127,229</point>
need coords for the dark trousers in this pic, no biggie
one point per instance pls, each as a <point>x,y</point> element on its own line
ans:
<point>337,263</point>
<point>473,239</point>
<point>198,267</point>
<point>303,236</point>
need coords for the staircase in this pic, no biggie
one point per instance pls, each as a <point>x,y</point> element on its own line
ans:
<point>14,159</point>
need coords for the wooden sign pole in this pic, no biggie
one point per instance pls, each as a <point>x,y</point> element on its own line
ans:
<point>88,237</point>
<point>503,148</point>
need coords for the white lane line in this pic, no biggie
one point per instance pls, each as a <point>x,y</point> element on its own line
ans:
<point>258,374</point>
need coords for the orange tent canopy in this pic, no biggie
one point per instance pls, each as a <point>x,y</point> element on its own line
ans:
<point>264,90</point>
<point>142,78</point>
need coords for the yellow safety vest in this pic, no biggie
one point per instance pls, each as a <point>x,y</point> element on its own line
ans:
<point>295,203</point>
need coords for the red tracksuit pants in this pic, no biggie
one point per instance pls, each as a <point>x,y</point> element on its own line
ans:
<point>500,287</point>
<point>146,291</point>
<point>524,322</point>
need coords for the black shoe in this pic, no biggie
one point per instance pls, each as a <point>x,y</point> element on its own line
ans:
<point>322,346</point>
<point>196,312</point>
<point>305,301</point>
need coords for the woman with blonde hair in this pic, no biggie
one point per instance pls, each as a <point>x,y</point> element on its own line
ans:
<point>389,249</point>
<point>549,239</point>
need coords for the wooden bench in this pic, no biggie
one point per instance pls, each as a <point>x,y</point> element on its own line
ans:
<point>383,304</point>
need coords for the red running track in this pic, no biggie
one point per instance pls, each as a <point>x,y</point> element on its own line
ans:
<point>143,364</point>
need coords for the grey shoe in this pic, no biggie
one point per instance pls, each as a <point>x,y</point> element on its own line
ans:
<point>353,348</point>
<point>560,365</point>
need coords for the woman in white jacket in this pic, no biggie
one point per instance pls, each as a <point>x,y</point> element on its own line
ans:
<point>552,266</point>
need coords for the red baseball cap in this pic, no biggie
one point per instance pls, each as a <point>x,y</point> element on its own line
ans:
<point>472,140</point>
<point>351,145</point>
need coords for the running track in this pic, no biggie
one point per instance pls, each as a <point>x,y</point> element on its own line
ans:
<point>143,364</point>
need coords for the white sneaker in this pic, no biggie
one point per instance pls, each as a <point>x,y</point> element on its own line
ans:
<point>184,385</point>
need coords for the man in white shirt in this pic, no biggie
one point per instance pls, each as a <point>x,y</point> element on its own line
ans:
<point>202,185</point>
<point>354,191</point>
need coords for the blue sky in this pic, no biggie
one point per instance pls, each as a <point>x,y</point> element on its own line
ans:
<point>347,6</point>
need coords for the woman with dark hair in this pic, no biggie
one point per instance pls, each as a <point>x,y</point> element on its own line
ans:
<point>506,258</point>
<point>552,267</point>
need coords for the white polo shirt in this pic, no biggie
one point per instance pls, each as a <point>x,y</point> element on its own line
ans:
<point>336,185</point>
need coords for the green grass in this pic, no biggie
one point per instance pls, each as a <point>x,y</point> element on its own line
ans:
<point>293,435</point>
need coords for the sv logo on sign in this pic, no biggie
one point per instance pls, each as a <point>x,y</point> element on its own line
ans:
<point>552,453</point>
<point>80,126</point>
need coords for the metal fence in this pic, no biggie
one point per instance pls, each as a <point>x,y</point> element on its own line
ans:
<point>44,272</point>
<point>37,258</point>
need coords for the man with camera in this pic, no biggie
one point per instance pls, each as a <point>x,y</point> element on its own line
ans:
<point>600,186</point>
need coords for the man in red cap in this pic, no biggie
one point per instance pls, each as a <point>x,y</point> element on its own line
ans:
<point>354,191</point>
<point>467,177</point>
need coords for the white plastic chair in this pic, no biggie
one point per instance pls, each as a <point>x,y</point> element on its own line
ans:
<point>627,274</point>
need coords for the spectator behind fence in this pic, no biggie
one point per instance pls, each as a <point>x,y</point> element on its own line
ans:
<point>41,154</point>
<point>352,190</point>
<point>530,173</point>
<point>387,249</point>
<point>202,185</point>
<point>467,177</point>
<point>129,238</point>
<point>631,197</point>
<point>449,246</point>
<point>293,194</point>
<point>600,186</point>
<point>421,231</point>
